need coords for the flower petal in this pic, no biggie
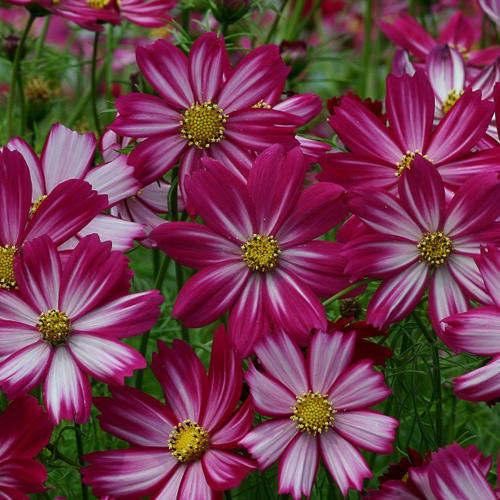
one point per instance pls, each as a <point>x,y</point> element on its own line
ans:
<point>225,470</point>
<point>482,384</point>
<point>238,426</point>
<point>194,483</point>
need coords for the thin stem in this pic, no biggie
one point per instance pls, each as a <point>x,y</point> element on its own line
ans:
<point>40,43</point>
<point>94,83</point>
<point>307,19</point>
<point>16,64</point>
<point>179,276</point>
<point>186,15</point>
<point>79,447</point>
<point>367,46</point>
<point>345,291</point>
<point>57,454</point>
<point>22,103</point>
<point>110,47</point>
<point>294,21</point>
<point>271,31</point>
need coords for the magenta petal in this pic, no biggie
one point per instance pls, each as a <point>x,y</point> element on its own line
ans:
<point>134,416</point>
<point>194,483</point>
<point>128,474</point>
<point>66,155</point>
<point>19,476</point>
<point>166,68</point>
<point>466,273</point>
<point>368,429</point>
<point>305,106</point>
<point>171,488</point>
<point>489,266</point>
<point>482,384</point>
<point>22,371</point>
<point>267,441</point>
<point>345,463</point>
<point>238,426</point>
<point>271,397</point>
<point>66,390</point>
<point>194,245</point>
<point>298,466</point>
<point>329,355</point>
<point>398,296</point>
<point>283,360</point>
<point>13,308</point>
<point>183,379</point>
<point>410,110</point>
<point>210,293</point>
<point>225,470</point>
<point>15,336</point>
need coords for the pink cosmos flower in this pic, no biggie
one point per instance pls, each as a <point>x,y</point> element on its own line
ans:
<point>453,473</point>
<point>24,430</point>
<point>459,33</point>
<point>416,239</point>
<point>66,321</point>
<point>256,253</point>
<point>319,408</point>
<point>205,108</point>
<point>69,155</point>
<point>181,450</point>
<point>478,331</point>
<point>65,211</point>
<point>381,154</point>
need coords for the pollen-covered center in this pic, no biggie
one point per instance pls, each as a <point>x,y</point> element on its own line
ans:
<point>261,253</point>
<point>407,160</point>
<point>435,247</point>
<point>203,124</point>
<point>449,102</point>
<point>7,278</point>
<point>313,412</point>
<point>54,326</point>
<point>37,204</point>
<point>98,4</point>
<point>188,441</point>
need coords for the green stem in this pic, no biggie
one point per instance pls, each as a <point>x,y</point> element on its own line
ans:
<point>94,83</point>
<point>40,43</point>
<point>16,66</point>
<point>345,291</point>
<point>57,454</point>
<point>22,103</point>
<point>186,15</point>
<point>179,276</point>
<point>110,46</point>
<point>79,447</point>
<point>367,46</point>
<point>271,31</point>
<point>295,20</point>
<point>307,19</point>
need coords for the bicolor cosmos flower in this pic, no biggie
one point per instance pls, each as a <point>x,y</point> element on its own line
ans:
<point>66,321</point>
<point>416,238</point>
<point>478,332</point>
<point>256,253</point>
<point>182,450</point>
<point>319,408</point>
<point>65,211</point>
<point>24,430</point>
<point>381,154</point>
<point>453,472</point>
<point>69,155</point>
<point>205,108</point>
<point>459,33</point>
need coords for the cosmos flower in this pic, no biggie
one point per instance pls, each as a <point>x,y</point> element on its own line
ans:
<point>416,239</point>
<point>183,449</point>
<point>318,408</point>
<point>66,321</point>
<point>257,254</point>
<point>20,442</point>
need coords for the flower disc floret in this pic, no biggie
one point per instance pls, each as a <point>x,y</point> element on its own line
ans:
<point>203,124</point>
<point>54,326</point>
<point>261,253</point>
<point>449,102</point>
<point>37,204</point>
<point>98,4</point>
<point>188,441</point>
<point>7,278</point>
<point>435,247</point>
<point>313,412</point>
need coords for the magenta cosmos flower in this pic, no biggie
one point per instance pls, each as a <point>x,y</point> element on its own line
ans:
<point>381,154</point>
<point>66,321</point>
<point>255,253</point>
<point>453,473</point>
<point>319,409</point>
<point>478,331</point>
<point>24,430</point>
<point>416,238</point>
<point>181,450</point>
<point>205,107</point>
<point>66,210</point>
<point>69,155</point>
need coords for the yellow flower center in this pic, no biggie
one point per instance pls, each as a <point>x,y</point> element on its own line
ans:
<point>407,160</point>
<point>449,102</point>
<point>261,253</point>
<point>188,441</point>
<point>54,326</point>
<point>7,278</point>
<point>37,204</point>
<point>261,105</point>
<point>435,248</point>
<point>98,4</point>
<point>203,124</point>
<point>313,412</point>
